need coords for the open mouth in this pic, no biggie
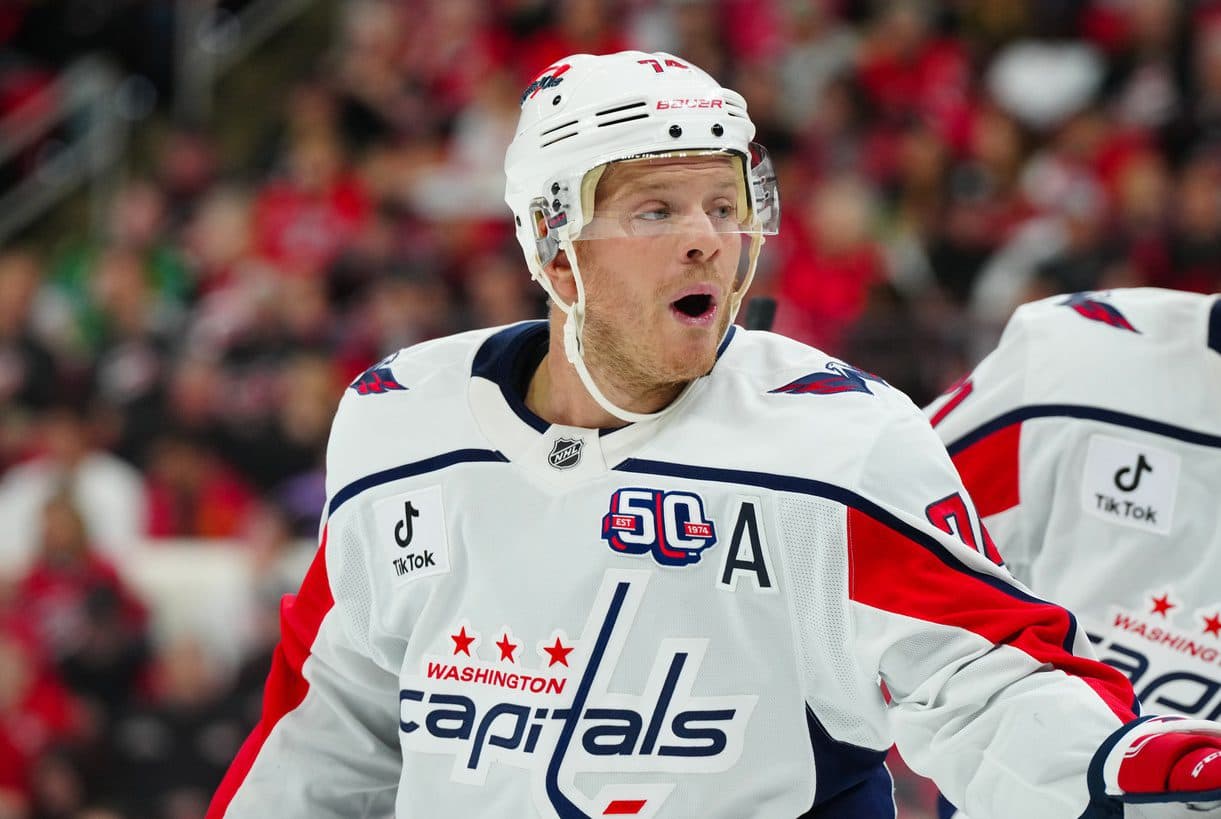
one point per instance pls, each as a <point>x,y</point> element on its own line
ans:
<point>694,308</point>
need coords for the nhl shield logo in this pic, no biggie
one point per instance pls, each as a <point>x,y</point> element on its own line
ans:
<point>565,453</point>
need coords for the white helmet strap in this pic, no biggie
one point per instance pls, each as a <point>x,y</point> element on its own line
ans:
<point>574,331</point>
<point>574,335</point>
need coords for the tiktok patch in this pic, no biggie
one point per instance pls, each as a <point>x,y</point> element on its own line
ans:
<point>1130,483</point>
<point>411,535</point>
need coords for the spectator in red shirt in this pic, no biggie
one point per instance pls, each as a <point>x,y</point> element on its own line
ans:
<point>303,222</point>
<point>86,619</point>
<point>829,265</point>
<point>576,27</point>
<point>67,574</point>
<point>36,713</point>
<point>192,492</point>
<point>909,73</point>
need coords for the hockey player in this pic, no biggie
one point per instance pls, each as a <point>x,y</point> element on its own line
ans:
<point>634,561</point>
<point>1090,440</point>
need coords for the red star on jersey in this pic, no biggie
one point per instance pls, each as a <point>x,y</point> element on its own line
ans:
<point>1162,604</point>
<point>462,641</point>
<point>506,648</point>
<point>558,653</point>
<point>1212,625</point>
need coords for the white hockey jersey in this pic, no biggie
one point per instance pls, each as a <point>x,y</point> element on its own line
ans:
<point>730,611</point>
<point>1090,440</point>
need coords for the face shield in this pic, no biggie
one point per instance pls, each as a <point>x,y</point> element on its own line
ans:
<point>671,208</point>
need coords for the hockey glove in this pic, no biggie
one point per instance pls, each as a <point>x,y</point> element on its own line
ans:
<point>1164,767</point>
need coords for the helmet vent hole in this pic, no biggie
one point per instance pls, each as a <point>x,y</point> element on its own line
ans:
<point>556,99</point>
<point>623,119</point>
<point>559,138</point>
<point>735,110</point>
<point>717,129</point>
<point>676,131</point>
<point>618,108</point>
<point>558,127</point>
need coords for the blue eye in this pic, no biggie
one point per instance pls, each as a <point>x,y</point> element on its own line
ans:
<point>722,212</point>
<point>655,215</point>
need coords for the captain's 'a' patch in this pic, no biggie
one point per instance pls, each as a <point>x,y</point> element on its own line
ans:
<point>748,553</point>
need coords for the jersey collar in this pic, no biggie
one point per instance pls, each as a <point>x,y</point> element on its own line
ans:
<point>500,374</point>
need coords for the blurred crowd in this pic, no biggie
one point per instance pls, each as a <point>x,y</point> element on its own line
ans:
<point>175,376</point>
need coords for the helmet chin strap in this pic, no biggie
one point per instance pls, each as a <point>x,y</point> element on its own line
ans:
<point>574,331</point>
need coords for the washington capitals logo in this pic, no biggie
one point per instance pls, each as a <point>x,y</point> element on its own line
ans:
<point>377,379</point>
<point>581,723</point>
<point>549,77</point>
<point>1096,310</point>
<point>838,378</point>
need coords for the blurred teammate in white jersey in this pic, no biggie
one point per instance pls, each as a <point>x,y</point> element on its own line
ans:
<point>634,561</point>
<point>1090,440</point>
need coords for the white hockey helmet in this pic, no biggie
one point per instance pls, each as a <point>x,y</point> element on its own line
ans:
<point>589,110</point>
<point>586,111</point>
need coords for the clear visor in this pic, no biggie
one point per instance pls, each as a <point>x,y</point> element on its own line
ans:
<point>678,206</point>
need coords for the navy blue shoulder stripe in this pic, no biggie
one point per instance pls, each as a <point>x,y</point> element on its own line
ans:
<point>1121,419</point>
<point>433,464</point>
<point>822,489</point>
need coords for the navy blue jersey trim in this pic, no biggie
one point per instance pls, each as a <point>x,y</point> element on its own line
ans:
<point>821,489</point>
<point>840,767</point>
<point>733,328</point>
<point>1121,419</point>
<point>498,361</point>
<point>446,459</point>
<point>502,358</point>
<point>872,798</point>
<point>1214,326</point>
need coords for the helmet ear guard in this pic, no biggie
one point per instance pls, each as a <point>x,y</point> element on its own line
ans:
<point>554,217</point>
<point>546,243</point>
<point>765,199</point>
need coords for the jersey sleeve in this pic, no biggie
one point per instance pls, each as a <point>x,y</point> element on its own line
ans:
<point>993,693</point>
<point>327,742</point>
<point>979,420</point>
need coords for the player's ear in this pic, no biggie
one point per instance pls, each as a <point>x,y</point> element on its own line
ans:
<point>559,272</point>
